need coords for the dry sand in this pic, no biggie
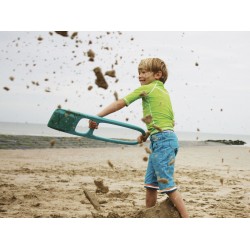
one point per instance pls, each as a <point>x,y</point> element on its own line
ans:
<point>214,181</point>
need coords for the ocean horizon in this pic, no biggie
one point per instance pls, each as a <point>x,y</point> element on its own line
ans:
<point>32,129</point>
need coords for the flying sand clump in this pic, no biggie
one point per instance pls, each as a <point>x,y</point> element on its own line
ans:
<point>91,55</point>
<point>62,33</point>
<point>110,73</point>
<point>100,80</point>
<point>147,119</point>
<point>163,180</point>
<point>143,94</point>
<point>6,88</point>
<point>111,164</point>
<point>148,150</point>
<point>52,143</point>
<point>116,95</point>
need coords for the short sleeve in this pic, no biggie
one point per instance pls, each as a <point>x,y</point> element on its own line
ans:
<point>136,94</point>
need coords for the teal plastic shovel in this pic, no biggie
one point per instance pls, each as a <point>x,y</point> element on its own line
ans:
<point>66,121</point>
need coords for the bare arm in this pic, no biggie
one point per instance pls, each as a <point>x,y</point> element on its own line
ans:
<point>113,107</point>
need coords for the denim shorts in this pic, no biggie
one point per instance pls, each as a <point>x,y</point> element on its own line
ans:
<point>160,170</point>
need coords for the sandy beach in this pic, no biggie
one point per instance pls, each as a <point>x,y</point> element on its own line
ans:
<point>49,182</point>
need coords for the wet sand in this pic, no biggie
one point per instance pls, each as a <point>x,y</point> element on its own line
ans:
<point>49,182</point>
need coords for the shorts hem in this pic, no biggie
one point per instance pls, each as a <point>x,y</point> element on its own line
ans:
<point>168,191</point>
<point>151,186</point>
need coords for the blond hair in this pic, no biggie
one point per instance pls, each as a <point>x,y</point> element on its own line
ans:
<point>154,65</point>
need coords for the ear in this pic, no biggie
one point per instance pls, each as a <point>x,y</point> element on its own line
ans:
<point>158,75</point>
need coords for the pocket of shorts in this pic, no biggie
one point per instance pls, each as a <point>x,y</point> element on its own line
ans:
<point>156,146</point>
<point>174,144</point>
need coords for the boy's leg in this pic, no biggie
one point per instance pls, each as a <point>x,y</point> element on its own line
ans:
<point>177,200</point>
<point>151,197</point>
<point>151,184</point>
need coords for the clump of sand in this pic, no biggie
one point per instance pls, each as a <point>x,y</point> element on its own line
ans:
<point>100,80</point>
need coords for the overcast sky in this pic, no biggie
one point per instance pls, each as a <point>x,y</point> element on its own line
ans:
<point>209,80</point>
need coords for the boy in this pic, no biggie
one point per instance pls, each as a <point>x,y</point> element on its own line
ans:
<point>159,118</point>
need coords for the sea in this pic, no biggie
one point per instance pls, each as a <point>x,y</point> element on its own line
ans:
<point>11,128</point>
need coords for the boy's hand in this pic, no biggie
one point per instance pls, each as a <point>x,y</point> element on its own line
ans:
<point>143,138</point>
<point>93,125</point>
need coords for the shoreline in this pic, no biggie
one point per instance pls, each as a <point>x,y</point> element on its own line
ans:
<point>39,142</point>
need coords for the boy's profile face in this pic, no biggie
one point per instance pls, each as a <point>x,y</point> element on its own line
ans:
<point>146,77</point>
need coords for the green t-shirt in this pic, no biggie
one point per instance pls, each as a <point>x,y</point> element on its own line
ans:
<point>156,103</point>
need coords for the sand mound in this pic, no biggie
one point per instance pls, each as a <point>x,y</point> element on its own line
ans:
<point>164,209</point>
